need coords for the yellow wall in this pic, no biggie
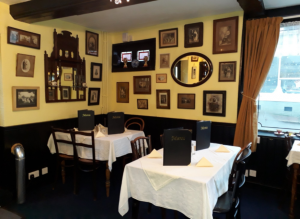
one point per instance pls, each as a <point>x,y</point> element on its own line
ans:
<point>211,84</point>
<point>8,53</point>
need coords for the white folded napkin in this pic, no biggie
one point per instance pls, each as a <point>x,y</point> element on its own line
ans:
<point>298,144</point>
<point>204,163</point>
<point>99,134</point>
<point>154,154</point>
<point>76,129</point>
<point>125,129</point>
<point>222,149</point>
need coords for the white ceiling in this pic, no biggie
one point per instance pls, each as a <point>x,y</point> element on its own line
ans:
<point>271,4</point>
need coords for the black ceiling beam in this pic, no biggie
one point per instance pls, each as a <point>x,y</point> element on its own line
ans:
<point>252,8</point>
<point>284,12</point>
<point>42,10</point>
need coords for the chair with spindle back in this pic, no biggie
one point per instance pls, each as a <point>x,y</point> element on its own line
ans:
<point>91,164</point>
<point>139,148</point>
<point>62,158</point>
<point>141,123</point>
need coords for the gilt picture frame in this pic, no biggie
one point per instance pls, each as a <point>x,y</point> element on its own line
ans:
<point>25,65</point>
<point>186,101</point>
<point>25,98</point>
<point>142,103</point>
<point>168,38</point>
<point>23,38</point>
<point>161,78</point>
<point>122,92</point>
<point>142,84</point>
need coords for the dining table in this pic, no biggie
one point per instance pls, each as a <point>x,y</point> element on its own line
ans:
<point>107,148</point>
<point>191,190</point>
<point>294,161</point>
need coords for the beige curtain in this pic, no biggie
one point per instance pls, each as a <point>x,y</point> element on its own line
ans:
<point>261,39</point>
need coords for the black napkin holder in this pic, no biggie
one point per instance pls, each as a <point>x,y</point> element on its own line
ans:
<point>86,120</point>
<point>177,147</point>
<point>115,122</point>
<point>203,135</point>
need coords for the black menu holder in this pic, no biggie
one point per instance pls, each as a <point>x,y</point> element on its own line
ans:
<point>115,122</point>
<point>86,120</point>
<point>177,147</point>
<point>203,135</point>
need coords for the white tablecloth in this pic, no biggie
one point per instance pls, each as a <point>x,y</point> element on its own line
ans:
<point>294,154</point>
<point>195,191</point>
<point>106,148</point>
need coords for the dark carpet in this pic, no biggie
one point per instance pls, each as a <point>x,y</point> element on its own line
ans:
<point>44,203</point>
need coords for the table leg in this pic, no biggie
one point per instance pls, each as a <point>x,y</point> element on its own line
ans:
<point>135,208</point>
<point>63,173</point>
<point>294,189</point>
<point>107,173</point>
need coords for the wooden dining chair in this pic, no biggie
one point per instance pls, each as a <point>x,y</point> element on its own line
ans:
<point>61,159</point>
<point>135,121</point>
<point>86,165</point>
<point>140,148</point>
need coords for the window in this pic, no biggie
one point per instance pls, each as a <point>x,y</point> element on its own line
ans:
<point>279,99</point>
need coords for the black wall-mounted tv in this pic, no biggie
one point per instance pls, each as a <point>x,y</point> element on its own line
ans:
<point>134,47</point>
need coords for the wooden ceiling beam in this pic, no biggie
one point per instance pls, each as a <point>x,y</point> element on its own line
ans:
<point>42,10</point>
<point>252,8</point>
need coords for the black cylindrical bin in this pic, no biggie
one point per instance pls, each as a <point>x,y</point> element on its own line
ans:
<point>18,151</point>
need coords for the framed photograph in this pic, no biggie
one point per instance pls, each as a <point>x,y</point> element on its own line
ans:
<point>164,60</point>
<point>65,93</point>
<point>168,38</point>
<point>194,58</point>
<point>68,77</point>
<point>163,99</point>
<point>194,72</point>
<point>227,71</point>
<point>186,101</point>
<point>142,84</point>
<point>25,98</point>
<point>161,78</point>
<point>23,38</point>
<point>193,35</point>
<point>91,43</point>
<point>225,36</point>
<point>94,96</point>
<point>123,92</point>
<point>25,65</point>
<point>96,71</point>
<point>214,103</point>
<point>142,103</point>
<point>51,94</point>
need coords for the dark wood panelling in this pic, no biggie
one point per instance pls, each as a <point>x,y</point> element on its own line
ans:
<point>42,10</point>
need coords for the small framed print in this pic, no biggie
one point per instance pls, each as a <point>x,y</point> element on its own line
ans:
<point>164,60</point>
<point>163,99</point>
<point>142,103</point>
<point>96,71</point>
<point>25,65</point>
<point>142,84</point>
<point>227,71</point>
<point>186,101</point>
<point>65,92</point>
<point>168,38</point>
<point>194,72</point>
<point>225,36</point>
<point>193,35</point>
<point>68,77</point>
<point>123,92</point>
<point>194,58</point>
<point>94,96</point>
<point>23,38</point>
<point>214,103</point>
<point>161,78</point>
<point>91,43</point>
<point>25,98</point>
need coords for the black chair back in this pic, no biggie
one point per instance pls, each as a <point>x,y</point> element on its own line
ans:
<point>138,147</point>
<point>54,131</point>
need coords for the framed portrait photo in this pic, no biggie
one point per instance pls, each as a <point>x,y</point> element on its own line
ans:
<point>227,71</point>
<point>142,103</point>
<point>94,96</point>
<point>193,35</point>
<point>68,77</point>
<point>25,65</point>
<point>186,101</point>
<point>161,78</point>
<point>168,38</point>
<point>23,38</point>
<point>123,92</point>
<point>164,60</point>
<point>194,72</point>
<point>25,98</point>
<point>163,99</point>
<point>214,103</point>
<point>96,71</point>
<point>225,35</point>
<point>65,93</point>
<point>142,84</point>
<point>91,43</point>
<point>194,58</point>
